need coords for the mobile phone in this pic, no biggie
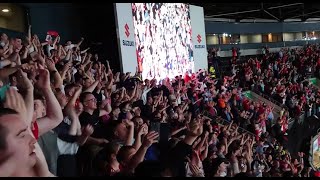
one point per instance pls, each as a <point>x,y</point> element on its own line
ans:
<point>163,129</point>
<point>155,126</point>
<point>164,132</point>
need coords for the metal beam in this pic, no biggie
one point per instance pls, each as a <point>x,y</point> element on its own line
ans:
<point>271,15</point>
<point>255,10</point>
<point>287,5</point>
<point>233,13</point>
<point>304,14</point>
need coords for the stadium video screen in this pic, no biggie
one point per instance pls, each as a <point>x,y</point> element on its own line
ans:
<point>163,39</point>
<point>315,158</point>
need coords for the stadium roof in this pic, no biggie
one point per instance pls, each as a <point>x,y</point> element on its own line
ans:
<point>261,12</point>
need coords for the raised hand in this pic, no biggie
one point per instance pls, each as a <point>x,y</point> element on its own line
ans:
<point>44,79</point>
<point>150,138</point>
<point>78,90</point>
<point>196,172</point>
<point>88,130</point>
<point>128,122</point>
<point>68,65</point>
<point>143,129</point>
<point>71,106</point>
<point>300,154</point>
<point>195,128</point>
<point>15,101</point>
<point>51,65</point>
<point>23,80</point>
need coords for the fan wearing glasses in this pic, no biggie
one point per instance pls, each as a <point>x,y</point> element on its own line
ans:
<point>91,115</point>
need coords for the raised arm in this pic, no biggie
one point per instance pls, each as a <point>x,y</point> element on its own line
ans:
<point>28,99</point>
<point>110,83</point>
<point>142,131</point>
<point>64,71</point>
<point>96,141</point>
<point>106,109</point>
<point>55,41</point>
<point>63,52</point>
<point>15,101</point>
<point>70,110</point>
<point>80,42</point>
<point>195,129</point>
<point>201,143</point>
<point>84,51</point>
<point>25,52</point>
<point>54,114</point>
<point>138,157</point>
<point>131,98</point>
<point>6,72</point>
<point>174,132</point>
<point>57,80</point>
<point>33,43</point>
<point>92,86</point>
<point>204,153</point>
<point>130,126</point>
<point>29,33</point>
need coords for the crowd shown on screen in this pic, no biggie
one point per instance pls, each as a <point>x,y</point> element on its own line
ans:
<point>64,113</point>
<point>163,39</point>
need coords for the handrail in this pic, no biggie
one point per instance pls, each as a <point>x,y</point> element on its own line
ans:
<point>291,119</point>
<point>225,121</point>
<point>270,98</point>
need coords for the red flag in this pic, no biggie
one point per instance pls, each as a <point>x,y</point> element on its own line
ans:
<point>53,33</point>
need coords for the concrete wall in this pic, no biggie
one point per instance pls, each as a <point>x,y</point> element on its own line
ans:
<point>16,22</point>
<point>3,22</point>
<point>259,28</point>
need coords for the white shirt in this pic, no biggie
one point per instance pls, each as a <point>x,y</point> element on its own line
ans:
<point>66,147</point>
<point>144,95</point>
<point>69,47</point>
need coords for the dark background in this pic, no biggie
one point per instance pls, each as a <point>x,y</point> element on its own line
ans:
<point>93,21</point>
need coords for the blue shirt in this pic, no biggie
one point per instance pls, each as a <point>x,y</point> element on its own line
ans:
<point>152,153</point>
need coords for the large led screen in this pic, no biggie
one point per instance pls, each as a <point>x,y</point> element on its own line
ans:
<point>163,39</point>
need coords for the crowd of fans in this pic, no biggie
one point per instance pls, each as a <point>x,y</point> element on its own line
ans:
<point>64,113</point>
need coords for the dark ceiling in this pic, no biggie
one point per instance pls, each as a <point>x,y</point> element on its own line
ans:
<point>270,11</point>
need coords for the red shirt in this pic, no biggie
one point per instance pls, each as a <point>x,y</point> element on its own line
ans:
<point>261,110</point>
<point>234,53</point>
<point>221,103</point>
<point>258,64</point>
<point>35,130</point>
<point>212,111</point>
<point>238,98</point>
<point>187,78</point>
<point>285,58</point>
<point>246,105</point>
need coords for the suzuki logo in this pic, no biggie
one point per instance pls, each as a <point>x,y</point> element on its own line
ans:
<point>126,27</point>
<point>199,38</point>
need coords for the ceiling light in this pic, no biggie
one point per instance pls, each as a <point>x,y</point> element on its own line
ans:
<point>5,10</point>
